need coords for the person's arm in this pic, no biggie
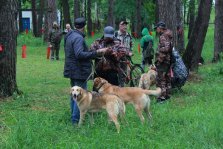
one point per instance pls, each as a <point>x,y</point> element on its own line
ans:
<point>49,38</point>
<point>165,44</point>
<point>142,41</point>
<point>78,47</point>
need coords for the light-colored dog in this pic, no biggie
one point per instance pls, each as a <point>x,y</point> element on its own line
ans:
<point>134,95</point>
<point>95,102</point>
<point>148,79</point>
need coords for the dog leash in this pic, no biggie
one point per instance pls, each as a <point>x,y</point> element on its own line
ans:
<point>91,74</point>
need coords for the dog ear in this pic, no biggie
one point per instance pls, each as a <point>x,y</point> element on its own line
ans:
<point>81,91</point>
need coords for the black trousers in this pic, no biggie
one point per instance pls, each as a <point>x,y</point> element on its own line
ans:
<point>111,76</point>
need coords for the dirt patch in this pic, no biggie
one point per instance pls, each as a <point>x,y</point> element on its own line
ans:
<point>36,108</point>
<point>194,77</point>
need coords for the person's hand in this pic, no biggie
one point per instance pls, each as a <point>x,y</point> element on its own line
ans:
<point>49,45</point>
<point>130,54</point>
<point>102,51</point>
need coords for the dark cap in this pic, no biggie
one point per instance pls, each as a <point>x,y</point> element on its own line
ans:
<point>160,24</point>
<point>79,22</point>
<point>123,22</point>
<point>109,32</point>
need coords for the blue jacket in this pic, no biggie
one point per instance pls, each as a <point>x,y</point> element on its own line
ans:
<point>77,56</point>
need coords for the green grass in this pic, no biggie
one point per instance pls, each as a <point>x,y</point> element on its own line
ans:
<point>40,118</point>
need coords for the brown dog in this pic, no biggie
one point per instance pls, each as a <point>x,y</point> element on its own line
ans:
<point>95,102</point>
<point>148,79</point>
<point>134,95</point>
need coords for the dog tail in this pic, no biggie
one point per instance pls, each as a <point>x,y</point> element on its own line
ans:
<point>156,92</point>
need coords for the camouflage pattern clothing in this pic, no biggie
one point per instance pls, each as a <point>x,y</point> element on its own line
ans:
<point>126,41</point>
<point>55,36</point>
<point>108,66</point>
<point>163,63</point>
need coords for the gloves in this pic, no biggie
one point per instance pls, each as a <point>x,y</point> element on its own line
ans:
<point>101,51</point>
<point>49,45</point>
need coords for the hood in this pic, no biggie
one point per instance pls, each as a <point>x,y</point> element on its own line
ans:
<point>145,31</point>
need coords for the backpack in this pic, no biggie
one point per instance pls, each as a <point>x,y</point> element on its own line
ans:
<point>180,72</point>
<point>148,51</point>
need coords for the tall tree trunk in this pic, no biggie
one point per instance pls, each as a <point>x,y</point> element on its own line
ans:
<point>76,9</point>
<point>51,16</point>
<point>167,13</point>
<point>191,12</point>
<point>156,12</point>
<point>185,6</point>
<point>85,8</point>
<point>20,16</point>
<point>66,12</point>
<point>138,17</point>
<point>89,20</point>
<point>180,26</point>
<point>97,22</point>
<point>110,19</point>
<point>40,18</point>
<point>8,15</point>
<point>34,18</point>
<point>218,32</point>
<point>194,47</point>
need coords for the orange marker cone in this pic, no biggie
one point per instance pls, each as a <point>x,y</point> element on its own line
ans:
<point>139,47</point>
<point>92,34</point>
<point>23,51</point>
<point>27,31</point>
<point>48,53</point>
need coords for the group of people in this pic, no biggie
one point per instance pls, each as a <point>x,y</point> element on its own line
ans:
<point>108,51</point>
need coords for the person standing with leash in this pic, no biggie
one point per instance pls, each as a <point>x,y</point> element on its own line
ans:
<point>163,60</point>
<point>78,61</point>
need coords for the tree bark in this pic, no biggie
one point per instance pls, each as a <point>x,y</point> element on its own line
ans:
<point>20,16</point>
<point>40,18</point>
<point>138,18</point>
<point>66,12</point>
<point>51,16</point>
<point>8,15</point>
<point>34,18</point>
<point>180,26</point>
<point>89,20</point>
<point>110,19</point>
<point>194,47</point>
<point>191,16</point>
<point>167,13</point>
<point>76,9</point>
<point>218,33</point>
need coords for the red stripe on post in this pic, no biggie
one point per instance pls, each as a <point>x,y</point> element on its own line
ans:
<point>139,47</point>
<point>1,48</point>
<point>23,51</point>
<point>48,53</point>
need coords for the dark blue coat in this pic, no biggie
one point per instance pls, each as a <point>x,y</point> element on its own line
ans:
<point>78,64</point>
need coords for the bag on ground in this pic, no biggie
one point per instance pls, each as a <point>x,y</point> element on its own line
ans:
<point>180,72</point>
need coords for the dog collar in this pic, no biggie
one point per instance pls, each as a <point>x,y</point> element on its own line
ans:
<point>101,86</point>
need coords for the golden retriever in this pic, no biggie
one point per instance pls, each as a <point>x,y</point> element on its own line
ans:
<point>94,102</point>
<point>148,79</point>
<point>134,95</point>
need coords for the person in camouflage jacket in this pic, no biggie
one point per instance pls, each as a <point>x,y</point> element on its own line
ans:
<point>54,40</point>
<point>163,60</point>
<point>108,66</point>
